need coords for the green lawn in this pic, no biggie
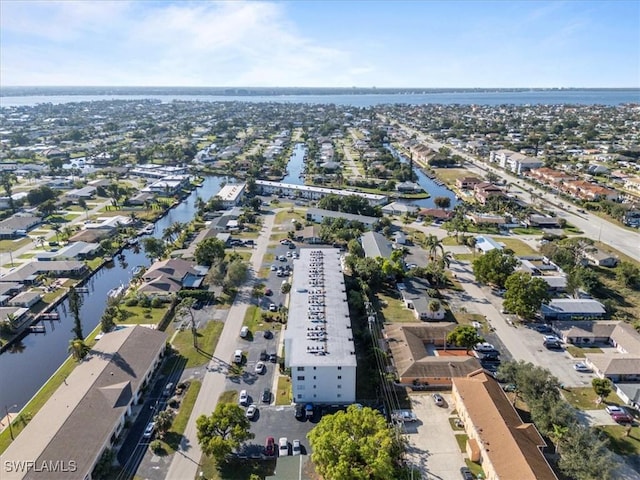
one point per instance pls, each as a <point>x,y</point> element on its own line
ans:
<point>449,175</point>
<point>13,245</point>
<point>207,341</point>
<point>619,442</point>
<point>285,216</point>
<point>584,398</point>
<point>140,315</point>
<point>465,257</point>
<point>580,352</point>
<point>393,309</point>
<point>526,231</point>
<point>462,441</point>
<point>253,319</point>
<point>283,395</point>
<point>518,246</point>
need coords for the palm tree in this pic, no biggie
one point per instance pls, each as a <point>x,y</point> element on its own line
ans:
<point>445,260</point>
<point>163,420</point>
<point>78,349</point>
<point>57,228</point>
<point>40,241</point>
<point>433,244</point>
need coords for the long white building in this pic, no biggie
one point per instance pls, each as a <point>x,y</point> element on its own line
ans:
<point>318,342</point>
<point>314,193</point>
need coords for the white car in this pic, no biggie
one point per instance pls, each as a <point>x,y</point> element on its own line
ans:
<point>273,268</point>
<point>251,411</point>
<point>243,399</point>
<point>296,449</point>
<point>614,410</point>
<point>151,426</point>
<point>581,367</point>
<point>273,307</point>
<point>283,447</point>
<point>259,368</point>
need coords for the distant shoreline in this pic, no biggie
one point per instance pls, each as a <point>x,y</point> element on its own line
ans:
<point>17,91</point>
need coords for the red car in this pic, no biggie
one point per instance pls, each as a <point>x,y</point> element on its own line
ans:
<point>622,417</point>
<point>270,447</point>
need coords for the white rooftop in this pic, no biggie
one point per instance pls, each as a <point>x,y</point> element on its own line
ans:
<point>319,328</point>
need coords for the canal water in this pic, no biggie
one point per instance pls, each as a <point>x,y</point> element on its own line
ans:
<point>295,167</point>
<point>28,365</point>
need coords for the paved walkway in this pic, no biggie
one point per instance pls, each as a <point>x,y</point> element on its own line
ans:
<point>186,463</point>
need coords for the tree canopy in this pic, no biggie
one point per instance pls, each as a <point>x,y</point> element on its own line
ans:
<point>494,267</point>
<point>223,431</point>
<point>209,251</point>
<point>356,444</point>
<point>525,294</point>
<point>464,336</point>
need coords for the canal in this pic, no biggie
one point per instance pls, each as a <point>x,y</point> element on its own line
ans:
<point>295,167</point>
<point>25,367</point>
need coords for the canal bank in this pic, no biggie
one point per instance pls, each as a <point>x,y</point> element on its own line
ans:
<point>26,366</point>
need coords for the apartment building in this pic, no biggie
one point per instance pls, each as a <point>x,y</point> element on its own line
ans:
<point>318,342</point>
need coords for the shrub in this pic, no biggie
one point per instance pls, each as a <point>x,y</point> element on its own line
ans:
<point>156,302</point>
<point>131,302</point>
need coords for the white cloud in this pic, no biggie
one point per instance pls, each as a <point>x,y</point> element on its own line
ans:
<point>129,43</point>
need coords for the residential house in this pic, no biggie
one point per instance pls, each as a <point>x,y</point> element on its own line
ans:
<point>28,273</point>
<point>375,245</point>
<point>467,183</point>
<point>71,251</point>
<point>572,309</point>
<point>18,225</point>
<point>84,193</point>
<point>415,297</point>
<point>485,190</point>
<point>25,299</point>
<point>166,277</point>
<point>486,244</point>
<point>595,256</point>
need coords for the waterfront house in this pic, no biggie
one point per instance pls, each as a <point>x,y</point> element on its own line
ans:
<point>486,244</point>
<point>87,414</point>
<point>467,183</point>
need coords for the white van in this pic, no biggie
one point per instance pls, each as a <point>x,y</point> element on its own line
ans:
<point>244,332</point>
<point>237,356</point>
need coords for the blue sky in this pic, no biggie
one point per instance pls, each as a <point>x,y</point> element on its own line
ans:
<point>431,44</point>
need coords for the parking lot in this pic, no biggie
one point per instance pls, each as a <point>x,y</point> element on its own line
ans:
<point>432,445</point>
<point>275,279</point>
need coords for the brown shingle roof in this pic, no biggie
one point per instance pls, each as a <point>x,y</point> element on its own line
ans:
<point>512,447</point>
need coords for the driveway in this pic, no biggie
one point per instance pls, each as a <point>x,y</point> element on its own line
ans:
<point>433,448</point>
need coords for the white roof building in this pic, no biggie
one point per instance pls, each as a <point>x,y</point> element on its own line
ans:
<point>318,342</point>
<point>231,194</point>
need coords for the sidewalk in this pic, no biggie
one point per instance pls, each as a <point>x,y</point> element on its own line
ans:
<point>186,463</point>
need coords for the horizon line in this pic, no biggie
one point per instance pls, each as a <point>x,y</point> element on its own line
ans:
<point>322,87</point>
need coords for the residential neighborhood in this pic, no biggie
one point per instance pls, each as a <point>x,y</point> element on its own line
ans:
<point>289,268</point>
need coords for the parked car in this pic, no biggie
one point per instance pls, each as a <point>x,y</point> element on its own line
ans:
<point>273,268</point>
<point>270,446</point>
<point>292,246</point>
<point>296,449</point>
<point>581,367</point>
<point>251,411</point>
<point>268,334</point>
<point>260,367</point>
<point>273,307</point>
<point>168,389</point>
<point>268,292</point>
<point>243,399</point>
<point>484,347</point>
<point>244,332</point>
<point>299,411</point>
<point>148,432</point>
<point>614,409</point>
<point>466,474</point>
<point>283,447</point>
<point>542,327</point>
<point>273,357</point>
<point>622,418</point>
<point>263,355</point>
<point>308,408</point>
<point>266,396</point>
<point>438,400</point>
